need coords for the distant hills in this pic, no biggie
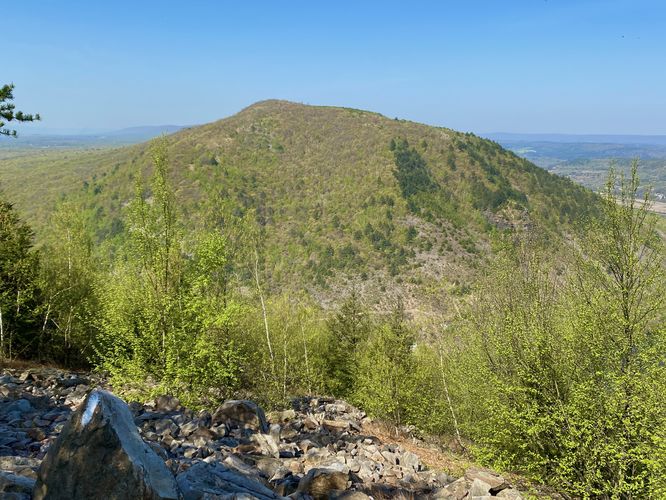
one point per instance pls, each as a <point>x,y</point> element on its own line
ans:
<point>624,139</point>
<point>344,197</point>
<point>132,135</point>
<point>586,158</point>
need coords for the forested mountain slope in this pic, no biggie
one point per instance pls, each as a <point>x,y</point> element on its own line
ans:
<point>341,197</point>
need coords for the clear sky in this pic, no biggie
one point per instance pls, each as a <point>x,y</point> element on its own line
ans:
<point>571,66</point>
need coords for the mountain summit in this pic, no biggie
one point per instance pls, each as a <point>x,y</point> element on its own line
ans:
<point>344,197</point>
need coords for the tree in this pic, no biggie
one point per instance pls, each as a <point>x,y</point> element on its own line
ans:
<point>165,314</point>
<point>566,371</point>
<point>347,331</point>
<point>384,368</point>
<point>8,111</point>
<point>619,299</point>
<point>18,289</point>
<point>68,279</point>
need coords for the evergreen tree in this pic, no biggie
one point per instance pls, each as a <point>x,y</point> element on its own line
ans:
<point>8,111</point>
<point>347,331</point>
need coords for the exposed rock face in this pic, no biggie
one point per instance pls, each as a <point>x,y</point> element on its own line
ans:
<point>99,451</point>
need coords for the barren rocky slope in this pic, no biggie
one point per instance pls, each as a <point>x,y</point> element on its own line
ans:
<point>317,449</point>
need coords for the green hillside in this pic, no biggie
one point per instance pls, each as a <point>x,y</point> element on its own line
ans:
<point>345,198</point>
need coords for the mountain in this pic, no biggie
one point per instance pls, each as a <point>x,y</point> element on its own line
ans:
<point>346,198</point>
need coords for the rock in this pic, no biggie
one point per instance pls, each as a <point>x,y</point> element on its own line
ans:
<point>73,381</point>
<point>319,482</point>
<point>457,490</point>
<point>283,416</point>
<point>241,413</point>
<point>510,493</point>
<point>17,464</point>
<point>336,425</point>
<point>204,481</point>
<point>36,434</point>
<point>496,482</point>
<point>167,403</point>
<point>267,445</point>
<point>236,463</point>
<point>13,487</point>
<point>410,460</point>
<point>348,495</point>
<point>479,488</point>
<point>20,406</point>
<point>100,450</point>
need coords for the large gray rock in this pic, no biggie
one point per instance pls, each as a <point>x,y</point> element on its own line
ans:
<point>267,445</point>
<point>99,454</point>
<point>13,487</point>
<point>241,413</point>
<point>204,481</point>
<point>319,483</point>
<point>496,483</point>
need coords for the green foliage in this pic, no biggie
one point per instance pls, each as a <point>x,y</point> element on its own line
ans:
<point>411,170</point>
<point>163,316</point>
<point>384,366</point>
<point>314,196</point>
<point>347,331</point>
<point>298,342</point>
<point>566,365</point>
<point>68,277</point>
<point>8,113</point>
<point>556,367</point>
<point>19,293</point>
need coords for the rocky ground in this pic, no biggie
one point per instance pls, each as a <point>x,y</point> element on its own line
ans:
<point>317,449</point>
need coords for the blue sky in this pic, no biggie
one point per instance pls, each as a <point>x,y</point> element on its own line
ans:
<point>585,66</point>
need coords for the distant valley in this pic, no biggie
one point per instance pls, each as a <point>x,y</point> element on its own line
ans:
<point>52,140</point>
<point>586,158</point>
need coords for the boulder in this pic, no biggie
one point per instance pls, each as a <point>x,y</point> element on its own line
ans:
<point>99,453</point>
<point>479,488</point>
<point>167,403</point>
<point>495,481</point>
<point>13,487</point>
<point>20,406</point>
<point>318,483</point>
<point>204,481</point>
<point>267,445</point>
<point>241,413</point>
<point>457,490</point>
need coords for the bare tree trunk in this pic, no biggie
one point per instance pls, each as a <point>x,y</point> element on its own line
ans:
<point>43,333</point>
<point>284,374</point>
<point>263,310</point>
<point>307,364</point>
<point>448,399</point>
